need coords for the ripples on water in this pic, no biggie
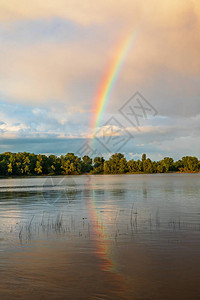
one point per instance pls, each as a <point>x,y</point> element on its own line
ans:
<point>100,237</point>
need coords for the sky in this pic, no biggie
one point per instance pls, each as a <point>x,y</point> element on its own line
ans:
<point>53,59</point>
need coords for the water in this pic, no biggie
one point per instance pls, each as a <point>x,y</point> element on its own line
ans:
<point>100,237</point>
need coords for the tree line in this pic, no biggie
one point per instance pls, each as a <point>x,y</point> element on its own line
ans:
<point>19,164</point>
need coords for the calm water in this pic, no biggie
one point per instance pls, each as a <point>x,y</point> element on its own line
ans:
<point>100,237</point>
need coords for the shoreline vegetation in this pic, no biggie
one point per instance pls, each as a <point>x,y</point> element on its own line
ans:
<point>30,164</point>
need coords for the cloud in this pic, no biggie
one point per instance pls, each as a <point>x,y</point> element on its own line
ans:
<point>163,63</point>
<point>43,72</point>
<point>54,56</point>
<point>21,121</point>
<point>87,12</point>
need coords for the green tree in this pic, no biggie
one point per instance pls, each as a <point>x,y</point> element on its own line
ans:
<point>144,157</point>
<point>3,165</point>
<point>31,164</point>
<point>106,168</point>
<point>98,165</point>
<point>168,164</point>
<point>26,164</point>
<point>114,164</point>
<point>71,164</point>
<point>11,164</point>
<point>123,168</point>
<point>10,169</point>
<point>38,168</point>
<point>132,166</point>
<point>139,165</point>
<point>178,165</point>
<point>190,163</point>
<point>86,164</point>
<point>147,166</point>
<point>160,168</point>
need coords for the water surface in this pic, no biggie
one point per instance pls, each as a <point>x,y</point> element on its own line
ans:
<point>100,237</point>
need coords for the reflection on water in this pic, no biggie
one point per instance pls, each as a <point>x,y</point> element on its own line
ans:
<point>100,237</point>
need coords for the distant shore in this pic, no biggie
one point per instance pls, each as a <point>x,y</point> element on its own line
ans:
<point>88,174</point>
<point>30,164</point>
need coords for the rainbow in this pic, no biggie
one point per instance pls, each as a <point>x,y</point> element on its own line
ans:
<point>100,233</point>
<point>109,80</point>
<point>103,242</point>
<point>101,237</point>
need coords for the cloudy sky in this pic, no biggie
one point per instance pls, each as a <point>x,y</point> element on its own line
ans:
<point>54,56</point>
